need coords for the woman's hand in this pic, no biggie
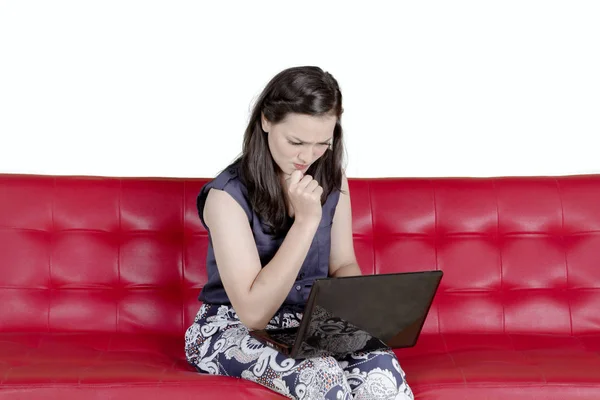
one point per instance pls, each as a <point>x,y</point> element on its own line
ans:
<point>304,194</point>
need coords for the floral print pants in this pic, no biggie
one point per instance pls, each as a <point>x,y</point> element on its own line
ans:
<point>218,343</point>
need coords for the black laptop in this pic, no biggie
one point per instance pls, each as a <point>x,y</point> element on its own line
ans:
<point>358,314</point>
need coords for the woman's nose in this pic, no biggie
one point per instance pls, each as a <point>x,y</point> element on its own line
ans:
<point>304,156</point>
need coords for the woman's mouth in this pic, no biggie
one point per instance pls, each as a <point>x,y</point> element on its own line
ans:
<point>301,167</point>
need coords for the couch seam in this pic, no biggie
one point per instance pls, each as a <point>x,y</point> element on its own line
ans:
<point>52,235</point>
<point>495,189</point>
<point>119,243</point>
<point>562,238</point>
<point>462,373</point>
<point>435,242</point>
<point>183,230</point>
<point>372,226</point>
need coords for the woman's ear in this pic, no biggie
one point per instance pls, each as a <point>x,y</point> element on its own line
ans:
<point>265,123</point>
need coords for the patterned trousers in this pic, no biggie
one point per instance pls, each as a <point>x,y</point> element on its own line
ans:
<point>218,343</point>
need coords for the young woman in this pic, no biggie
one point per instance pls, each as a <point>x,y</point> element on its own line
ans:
<point>278,218</point>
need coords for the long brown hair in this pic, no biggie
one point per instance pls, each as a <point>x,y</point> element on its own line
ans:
<point>303,90</point>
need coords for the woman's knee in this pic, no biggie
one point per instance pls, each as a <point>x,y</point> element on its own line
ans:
<point>321,378</point>
<point>376,375</point>
<point>191,346</point>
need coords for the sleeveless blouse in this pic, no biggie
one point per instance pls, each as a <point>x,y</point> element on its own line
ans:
<point>316,263</point>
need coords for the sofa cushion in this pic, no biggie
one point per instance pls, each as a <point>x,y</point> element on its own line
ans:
<point>477,366</point>
<point>99,366</point>
<point>120,366</point>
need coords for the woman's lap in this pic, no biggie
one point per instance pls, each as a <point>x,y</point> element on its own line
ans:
<point>217,343</point>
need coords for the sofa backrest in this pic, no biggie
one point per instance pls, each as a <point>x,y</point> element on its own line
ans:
<point>89,254</point>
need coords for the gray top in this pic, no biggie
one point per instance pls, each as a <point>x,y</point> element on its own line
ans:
<point>316,264</point>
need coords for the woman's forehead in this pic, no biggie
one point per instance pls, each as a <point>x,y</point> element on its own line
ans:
<point>309,128</point>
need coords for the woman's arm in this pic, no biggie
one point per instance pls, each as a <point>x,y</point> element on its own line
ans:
<point>342,259</point>
<point>257,293</point>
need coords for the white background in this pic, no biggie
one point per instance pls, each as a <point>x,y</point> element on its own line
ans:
<point>164,88</point>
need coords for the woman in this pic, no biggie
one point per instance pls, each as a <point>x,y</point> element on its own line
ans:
<point>278,218</point>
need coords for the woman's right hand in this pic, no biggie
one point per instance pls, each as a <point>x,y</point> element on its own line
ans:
<point>305,197</point>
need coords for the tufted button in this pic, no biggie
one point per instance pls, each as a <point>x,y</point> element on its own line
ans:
<point>298,287</point>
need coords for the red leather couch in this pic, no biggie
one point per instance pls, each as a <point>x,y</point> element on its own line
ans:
<point>99,278</point>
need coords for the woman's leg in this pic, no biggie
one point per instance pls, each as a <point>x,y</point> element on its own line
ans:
<point>375,375</point>
<point>217,343</point>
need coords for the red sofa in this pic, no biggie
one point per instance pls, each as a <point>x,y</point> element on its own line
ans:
<point>99,279</point>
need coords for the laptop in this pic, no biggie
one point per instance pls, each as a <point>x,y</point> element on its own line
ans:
<point>358,314</point>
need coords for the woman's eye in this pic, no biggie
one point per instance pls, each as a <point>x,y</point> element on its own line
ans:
<point>295,144</point>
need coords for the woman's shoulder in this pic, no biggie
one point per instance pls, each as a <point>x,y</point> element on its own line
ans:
<point>228,180</point>
<point>229,176</point>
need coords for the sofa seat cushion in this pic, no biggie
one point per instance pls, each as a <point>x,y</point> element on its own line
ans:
<point>115,366</point>
<point>123,366</point>
<point>488,366</point>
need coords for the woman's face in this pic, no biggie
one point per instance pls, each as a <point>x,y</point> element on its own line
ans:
<point>299,140</point>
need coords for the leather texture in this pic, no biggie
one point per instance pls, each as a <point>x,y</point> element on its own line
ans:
<point>99,279</point>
